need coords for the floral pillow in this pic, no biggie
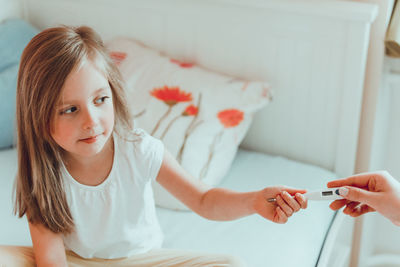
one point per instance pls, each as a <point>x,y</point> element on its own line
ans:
<point>201,116</point>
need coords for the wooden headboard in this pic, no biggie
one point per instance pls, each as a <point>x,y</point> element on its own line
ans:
<point>312,53</point>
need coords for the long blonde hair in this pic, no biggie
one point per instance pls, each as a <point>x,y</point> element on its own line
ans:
<point>45,64</point>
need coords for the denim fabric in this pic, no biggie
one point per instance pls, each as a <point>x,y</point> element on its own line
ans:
<point>14,36</point>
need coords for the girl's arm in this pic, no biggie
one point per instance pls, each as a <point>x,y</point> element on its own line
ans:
<point>48,247</point>
<point>223,204</point>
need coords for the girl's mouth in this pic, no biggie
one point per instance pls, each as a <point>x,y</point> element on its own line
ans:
<point>91,139</point>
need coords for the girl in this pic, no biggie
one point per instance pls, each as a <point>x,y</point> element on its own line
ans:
<point>84,174</point>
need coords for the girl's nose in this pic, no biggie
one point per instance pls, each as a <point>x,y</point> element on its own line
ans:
<point>90,119</point>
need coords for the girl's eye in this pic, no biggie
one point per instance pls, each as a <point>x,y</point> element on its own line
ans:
<point>101,100</point>
<point>69,110</point>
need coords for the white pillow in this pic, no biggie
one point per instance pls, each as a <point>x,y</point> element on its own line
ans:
<point>201,116</point>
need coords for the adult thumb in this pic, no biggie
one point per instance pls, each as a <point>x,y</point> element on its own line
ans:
<point>357,194</point>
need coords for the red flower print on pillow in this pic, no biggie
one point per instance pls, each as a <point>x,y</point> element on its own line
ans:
<point>228,118</point>
<point>181,64</point>
<point>117,57</point>
<point>170,96</point>
<point>190,110</point>
<point>193,111</point>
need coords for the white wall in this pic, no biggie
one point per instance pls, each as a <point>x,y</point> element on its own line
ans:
<point>391,150</point>
<point>372,140</point>
<point>380,240</point>
<point>392,84</point>
<point>10,9</point>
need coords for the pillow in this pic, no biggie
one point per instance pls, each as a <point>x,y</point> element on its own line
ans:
<point>8,85</point>
<point>201,116</point>
<point>14,36</point>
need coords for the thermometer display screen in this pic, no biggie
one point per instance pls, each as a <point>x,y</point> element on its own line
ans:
<point>327,193</point>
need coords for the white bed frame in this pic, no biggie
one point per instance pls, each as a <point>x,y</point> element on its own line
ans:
<point>313,54</point>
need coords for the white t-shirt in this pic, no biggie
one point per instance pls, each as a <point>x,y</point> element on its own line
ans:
<point>118,218</point>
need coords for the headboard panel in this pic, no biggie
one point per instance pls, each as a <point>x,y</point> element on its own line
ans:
<point>312,53</point>
<point>9,9</point>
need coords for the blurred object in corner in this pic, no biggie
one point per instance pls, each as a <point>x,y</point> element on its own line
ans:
<point>392,40</point>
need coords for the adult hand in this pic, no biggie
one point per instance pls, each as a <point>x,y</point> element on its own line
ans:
<point>367,192</point>
<point>288,201</point>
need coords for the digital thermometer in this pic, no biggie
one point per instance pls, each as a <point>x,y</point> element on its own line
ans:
<point>326,194</point>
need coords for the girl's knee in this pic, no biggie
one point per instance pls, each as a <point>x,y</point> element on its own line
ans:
<point>225,260</point>
<point>12,256</point>
<point>234,261</point>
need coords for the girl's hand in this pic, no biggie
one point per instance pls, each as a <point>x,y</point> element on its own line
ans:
<point>288,201</point>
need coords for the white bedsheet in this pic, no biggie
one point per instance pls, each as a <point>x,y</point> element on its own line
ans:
<point>257,241</point>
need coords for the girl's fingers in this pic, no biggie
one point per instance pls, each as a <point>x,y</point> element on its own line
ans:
<point>282,218</point>
<point>293,191</point>
<point>285,207</point>
<point>302,200</point>
<point>293,204</point>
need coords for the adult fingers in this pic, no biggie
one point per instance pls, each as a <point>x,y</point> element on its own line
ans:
<point>350,207</point>
<point>338,204</point>
<point>360,210</point>
<point>359,180</point>
<point>358,194</point>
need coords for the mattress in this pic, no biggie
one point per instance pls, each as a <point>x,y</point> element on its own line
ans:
<point>257,241</point>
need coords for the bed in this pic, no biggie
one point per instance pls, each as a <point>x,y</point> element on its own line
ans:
<point>313,54</point>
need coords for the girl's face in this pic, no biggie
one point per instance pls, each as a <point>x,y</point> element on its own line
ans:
<point>84,118</point>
